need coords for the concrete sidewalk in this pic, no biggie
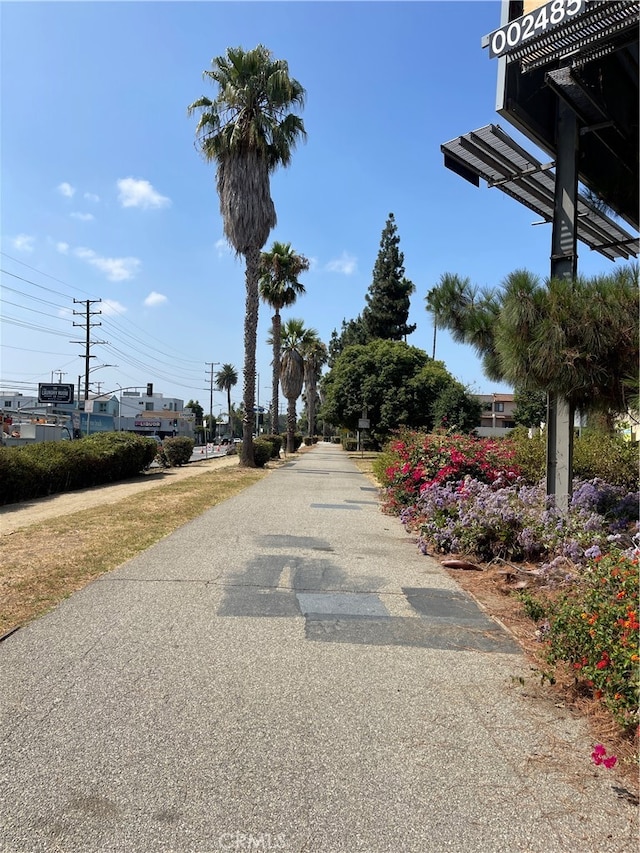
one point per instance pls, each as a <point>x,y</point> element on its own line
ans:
<point>288,673</point>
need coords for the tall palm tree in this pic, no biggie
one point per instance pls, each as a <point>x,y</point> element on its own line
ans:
<point>279,288</point>
<point>226,378</point>
<point>248,131</point>
<point>315,355</point>
<point>292,372</point>
<point>447,302</point>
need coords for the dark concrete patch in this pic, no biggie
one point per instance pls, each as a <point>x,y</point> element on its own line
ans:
<point>309,543</point>
<point>364,503</point>
<point>251,601</point>
<point>341,604</point>
<point>447,605</point>
<point>306,470</point>
<point>403,631</point>
<point>334,506</point>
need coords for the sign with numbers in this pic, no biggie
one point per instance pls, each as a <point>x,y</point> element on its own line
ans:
<point>536,22</point>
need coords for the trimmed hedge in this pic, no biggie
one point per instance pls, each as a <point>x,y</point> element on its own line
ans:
<point>297,441</point>
<point>276,442</point>
<point>262,452</point>
<point>178,450</point>
<point>51,467</point>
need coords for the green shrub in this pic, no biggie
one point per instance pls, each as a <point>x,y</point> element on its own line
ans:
<point>47,468</point>
<point>276,442</point>
<point>178,450</point>
<point>297,440</point>
<point>262,452</point>
<point>608,457</point>
<point>595,454</point>
<point>535,608</point>
<point>530,453</point>
<point>593,629</point>
<point>308,441</point>
<point>350,444</point>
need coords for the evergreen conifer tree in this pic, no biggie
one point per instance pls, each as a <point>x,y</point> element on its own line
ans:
<point>387,309</point>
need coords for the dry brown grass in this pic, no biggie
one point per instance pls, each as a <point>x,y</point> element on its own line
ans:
<point>46,562</point>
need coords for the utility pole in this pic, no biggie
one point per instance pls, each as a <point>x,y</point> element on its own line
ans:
<point>211,365</point>
<point>88,325</point>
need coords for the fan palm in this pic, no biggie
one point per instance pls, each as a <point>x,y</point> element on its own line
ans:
<point>315,355</point>
<point>292,372</point>
<point>226,378</point>
<point>248,131</point>
<point>279,288</point>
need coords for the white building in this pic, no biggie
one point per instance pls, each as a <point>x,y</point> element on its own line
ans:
<point>147,414</point>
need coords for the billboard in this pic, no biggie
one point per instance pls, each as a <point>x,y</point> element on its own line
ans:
<point>58,393</point>
<point>589,59</point>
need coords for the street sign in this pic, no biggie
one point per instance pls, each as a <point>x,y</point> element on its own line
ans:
<point>55,393</point>
<point>364,423</point>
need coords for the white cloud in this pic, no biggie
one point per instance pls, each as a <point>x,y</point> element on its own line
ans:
<point>23,242</point>
<point>62,247</point>
<point>116,269</point>
<point>154,299</point>
<point>83,217</point>
<point>110,307</point>
<point>222,247</point>
<point>66,190</point>
<point>345,264</point>
<point>92,197</point>
<point>140,193</point>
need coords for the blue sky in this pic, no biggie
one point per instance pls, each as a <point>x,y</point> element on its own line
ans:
<point>104,195</point>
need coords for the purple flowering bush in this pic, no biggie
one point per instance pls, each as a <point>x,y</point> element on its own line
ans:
<point>519,522</point>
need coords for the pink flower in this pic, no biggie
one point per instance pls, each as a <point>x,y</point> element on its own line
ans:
<point>599,756</point>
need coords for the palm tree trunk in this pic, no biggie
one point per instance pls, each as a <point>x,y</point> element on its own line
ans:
<point>311,408</point>
<point>252,258</point>
<point>291,424</point>
<point>229,409</point>
<point>275,376</point>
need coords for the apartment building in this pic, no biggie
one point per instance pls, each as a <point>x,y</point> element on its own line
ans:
<point>497,414</point>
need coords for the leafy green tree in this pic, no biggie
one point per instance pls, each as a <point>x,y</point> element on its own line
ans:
<point>455,409</point>
<point>292,372</point>
<point>531,408</point>
<point>387,309</point>
<point>396,383</point>
<point>198,412</point>
<point>248,130</point>
<point>226,378</point>
<point>279,288</point>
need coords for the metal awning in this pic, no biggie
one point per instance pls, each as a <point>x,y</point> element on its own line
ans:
<point>490,153</point>
<point>604,26</point>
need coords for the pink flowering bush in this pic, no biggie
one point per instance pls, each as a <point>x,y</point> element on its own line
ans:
<point>413,461</point>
